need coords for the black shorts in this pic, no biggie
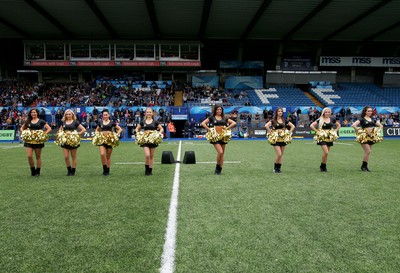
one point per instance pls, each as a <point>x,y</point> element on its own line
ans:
<point>34,146</point>
<point>329,144</point>
<point>280,144</point>
<point>219,142</point>
<point>106,146</point>
<point>69,147</point>
<point>149,145</point>
<point>369,142</point>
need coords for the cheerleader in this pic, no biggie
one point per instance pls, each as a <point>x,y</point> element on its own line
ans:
<point>327,123</point>
<point>367,123</point>
<point>279,125</point>
<point>219,122</point>
<point>70,124</point>
<point>106,126</point>
<point>148,124</point>
<point>34,123</point>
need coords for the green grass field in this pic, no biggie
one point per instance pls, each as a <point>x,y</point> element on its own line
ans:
<point>246,220</point>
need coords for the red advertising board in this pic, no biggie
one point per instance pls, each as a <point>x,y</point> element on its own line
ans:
<point>114,63</point>
<point>47,63</point>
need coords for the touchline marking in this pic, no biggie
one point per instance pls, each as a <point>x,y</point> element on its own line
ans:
<point>168,256</point>
<point>132,163</point>
<point>225,162</point>
<point>202,162</point>
<point>10,147</point>
<point>346,144</point>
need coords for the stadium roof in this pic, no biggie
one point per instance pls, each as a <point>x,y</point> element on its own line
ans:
<point>306,20</point>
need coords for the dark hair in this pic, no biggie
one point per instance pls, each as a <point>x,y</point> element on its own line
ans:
<point>29,118</point>
<point>364,111</point>
<point>215,110</point>
<point>105,110</point>
<point>275,118</point>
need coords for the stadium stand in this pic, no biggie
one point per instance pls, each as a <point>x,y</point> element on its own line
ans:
<point>357,94</point>
<point>278,96</point>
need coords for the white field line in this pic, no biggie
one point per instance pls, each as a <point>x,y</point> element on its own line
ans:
<point>203,162</point>
<point>10,147</point>
<point>168,256</point>
<point>214,162</point>
<point>346,144</point>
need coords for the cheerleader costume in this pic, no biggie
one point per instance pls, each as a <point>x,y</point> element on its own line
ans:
<point>70,127</point>
<point>36,126</point>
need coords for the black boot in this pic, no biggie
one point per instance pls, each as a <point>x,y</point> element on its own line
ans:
<point>69,171</point>
<point>147,172</point>
<point>104,169</point>
<point>150,171</point>
<point>278,169</point>
<point>33,171</point>
<point>323,167</point>
<point>364,167</point>
<point>275,168</point>
<point>218,169</point>
<point>37,172</point>
<point>108,171</point>
<point>73,171</point>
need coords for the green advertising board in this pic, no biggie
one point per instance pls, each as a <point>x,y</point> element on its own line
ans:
<point>349,132</point>
<point>7,134</point>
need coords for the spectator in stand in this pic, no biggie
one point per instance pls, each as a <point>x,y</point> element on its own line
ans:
<point>265,114</point>
<point>171,129</point>
<point>42,114</point>
<point>59,116</point>
<point>53,115</point>
<point>389,121</point>
<point>311,114</point>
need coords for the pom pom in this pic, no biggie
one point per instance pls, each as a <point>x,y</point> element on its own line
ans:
<point>148,137</point>
<point>279,136</point>
<point>367,135</point>
<point>98,139</point>
<point>110,138</point>
<point>70,138</point>
<point>325,136</point>
<point>219,134</point>
<point>34,136</point>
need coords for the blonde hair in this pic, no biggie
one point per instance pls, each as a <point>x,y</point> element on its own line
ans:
<point>322,118</point>
<point>64,118</point>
